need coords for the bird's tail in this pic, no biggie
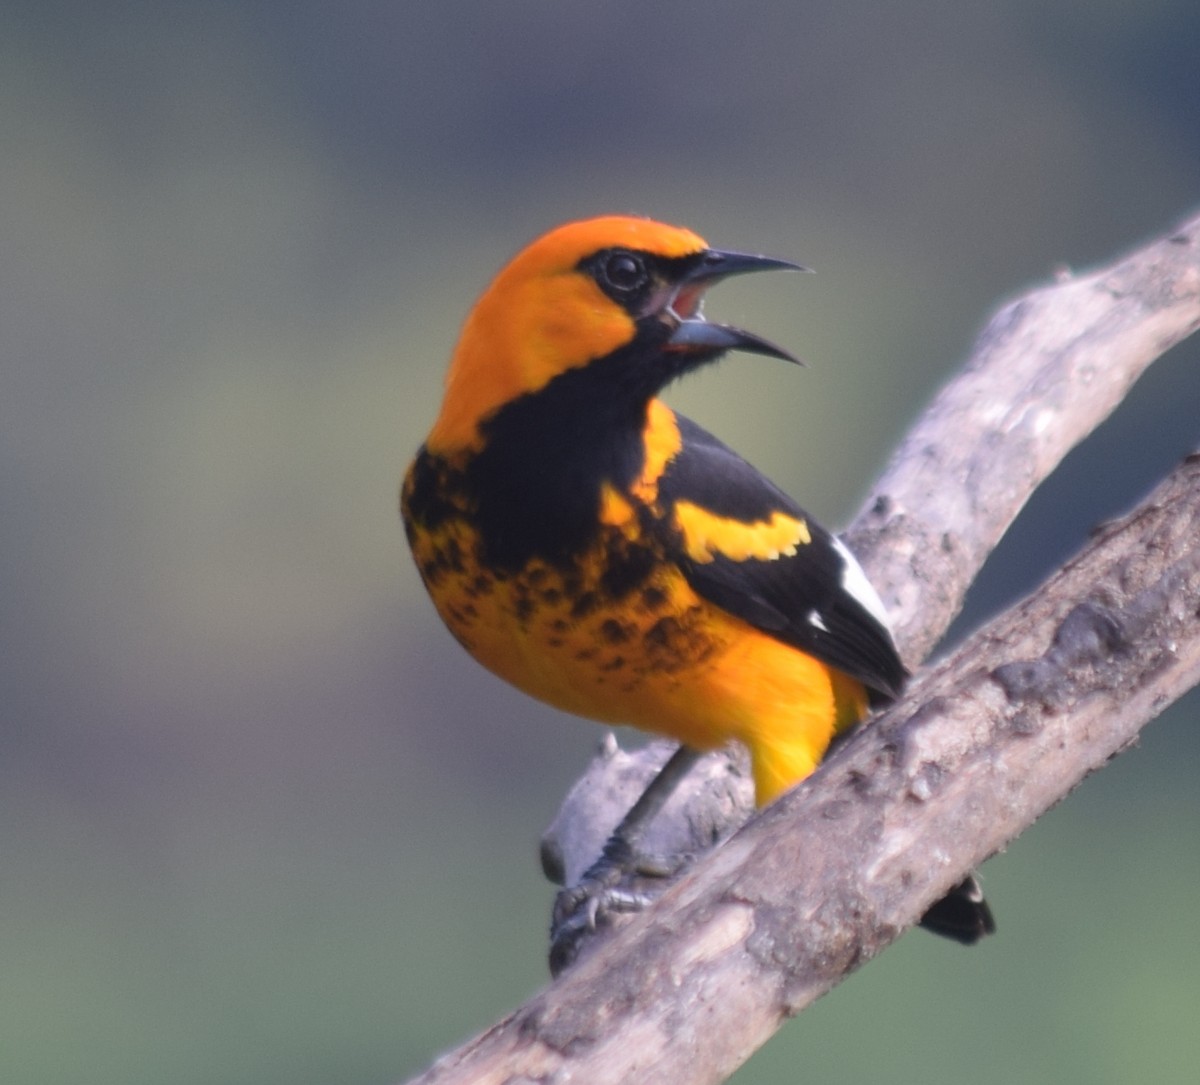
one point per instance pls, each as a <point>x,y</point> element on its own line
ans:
<point>962,914</point>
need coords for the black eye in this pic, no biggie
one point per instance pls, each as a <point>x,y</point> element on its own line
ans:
<point>624,272</point>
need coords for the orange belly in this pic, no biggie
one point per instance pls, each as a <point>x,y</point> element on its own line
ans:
<point>655,656</point>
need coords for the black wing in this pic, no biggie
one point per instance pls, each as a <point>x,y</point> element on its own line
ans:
<point>814,596</point>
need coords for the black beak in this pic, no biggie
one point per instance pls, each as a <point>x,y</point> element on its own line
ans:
<point>714,264</point>
<point>694,334</point>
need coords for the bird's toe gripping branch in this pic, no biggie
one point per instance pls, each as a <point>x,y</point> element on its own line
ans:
<point>648,848</point>
<point>620,882</point>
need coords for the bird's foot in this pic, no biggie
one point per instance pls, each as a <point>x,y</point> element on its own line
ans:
<point>620,883</point>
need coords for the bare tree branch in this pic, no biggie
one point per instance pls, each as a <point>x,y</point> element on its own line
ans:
<point>978,748</point>
<point>1046,370</point>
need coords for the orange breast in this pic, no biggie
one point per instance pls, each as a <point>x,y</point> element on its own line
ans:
<point>621,637</point>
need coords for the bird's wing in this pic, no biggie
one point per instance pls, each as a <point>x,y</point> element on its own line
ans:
<point>746,547</point>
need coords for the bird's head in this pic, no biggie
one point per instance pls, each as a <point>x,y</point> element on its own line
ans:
<point>584,292</point>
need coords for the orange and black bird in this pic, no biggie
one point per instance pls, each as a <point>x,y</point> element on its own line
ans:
<point>611,557</point>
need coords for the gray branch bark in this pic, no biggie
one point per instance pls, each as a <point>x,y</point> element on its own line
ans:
<point>978,748</point>
<point>1047,369</point>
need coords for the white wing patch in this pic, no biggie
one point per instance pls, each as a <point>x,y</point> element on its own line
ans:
<point>856,584</point>
<point>816,621</point>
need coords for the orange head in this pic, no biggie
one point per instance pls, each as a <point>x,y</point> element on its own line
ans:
<point>582,292</point>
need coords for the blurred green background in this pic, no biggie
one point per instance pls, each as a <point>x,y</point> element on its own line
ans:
<point>260,819</point>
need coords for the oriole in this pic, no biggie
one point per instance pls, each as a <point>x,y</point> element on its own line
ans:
<point>609,556</point>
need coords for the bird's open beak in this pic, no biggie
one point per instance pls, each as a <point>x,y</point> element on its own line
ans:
<point>694,334</point>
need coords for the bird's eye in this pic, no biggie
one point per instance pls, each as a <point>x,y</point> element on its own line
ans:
<point>624,272</point>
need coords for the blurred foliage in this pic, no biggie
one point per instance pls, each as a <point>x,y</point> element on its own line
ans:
<point>260,819</point>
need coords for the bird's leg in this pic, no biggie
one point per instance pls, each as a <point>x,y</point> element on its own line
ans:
<point>621,848</point>
<point>600,892</point>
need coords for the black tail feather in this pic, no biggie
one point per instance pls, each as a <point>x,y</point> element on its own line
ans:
<point>962,914</point>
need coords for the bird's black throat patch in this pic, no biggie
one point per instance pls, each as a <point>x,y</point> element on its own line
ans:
<point>536,484</point>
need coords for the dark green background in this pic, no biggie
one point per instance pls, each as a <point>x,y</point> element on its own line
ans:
<point>260,819</point>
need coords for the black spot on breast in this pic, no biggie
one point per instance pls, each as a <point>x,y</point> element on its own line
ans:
<point>663,633</point>
<point>585,604</point>
<point>481,585</point>
<point>524,606</point>
<point>653,598</point>
<point>444,559</point>
<point>673,644</point>
<point>629,567</point>
<point>430,492</point>
<point>614,632</point>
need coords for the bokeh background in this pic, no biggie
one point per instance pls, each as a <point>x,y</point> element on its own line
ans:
<point>260,819</point>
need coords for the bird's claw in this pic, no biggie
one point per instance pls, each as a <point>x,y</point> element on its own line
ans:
<point>618,883</point>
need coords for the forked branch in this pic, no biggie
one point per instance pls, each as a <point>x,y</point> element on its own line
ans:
<point>979,747</point>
